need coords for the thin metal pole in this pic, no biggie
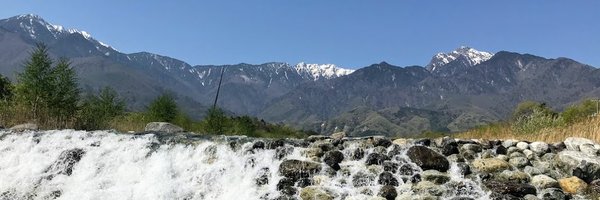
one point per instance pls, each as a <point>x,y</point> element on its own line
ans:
<point>219,87</point>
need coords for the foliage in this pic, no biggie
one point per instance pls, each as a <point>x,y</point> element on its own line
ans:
<point>97,111</point>
<point>581,111</point>
<point>215,122</point>
<point>35,83</point>
<point>527,108</point>
<point>65,96</point>
<point>163,108</point>
<point>6,89</point>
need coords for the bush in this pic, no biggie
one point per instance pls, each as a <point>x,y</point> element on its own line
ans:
<point>97,111</point>
<point>579,112</point>
<point>215,121</point>
<point>163,109</point>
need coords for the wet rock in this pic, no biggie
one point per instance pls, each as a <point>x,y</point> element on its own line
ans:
<point>415,178</point>
<point>285,186</point>
<point>435,177</point>
<point>314,138</point>
<point>553,194</point>
<point>396,150</point>
<point>490,165</point>
<point>388,192</point>
<point>572,185</point>
<point>539,147</point>
<point>426,187</point>
<point>519,162</point>
<point>358,154</point>
<point>468,154</point>
<point>402,141</point>
<point>296,169</point>
<point>333,158</point>
<point>573,143</point>
<point>424,142</point>
<point>382,142</point>
<point>387,178</point>
<point>510,188</point>
<point>450,148</point>
<point>471,147</point>
<point>594,188</point>
<point>163,127</point>
<point>427,158</point>
<point>282,152</point>
<point>530,197</point>
<point>313,153</point>
<point>362,179</point>
<point>487,154</point>
<point>65,162</point>
<point>513,176</point>
<point>258,145</point>
<point>24,127</point>
<point>304,182</point>
<point>407,170</point>
<point>274,144</point>
<point>464,169</point>
<point>390,166</point>
<point>534,170</point>
<point>376,159</point>
<point>263,176</point>
<point>316,193</point>
<point>543,181</point>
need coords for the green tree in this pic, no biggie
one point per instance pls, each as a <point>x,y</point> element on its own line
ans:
<point>35,83</point>
<point>245,125</point>
<point>97,111</point>
<point>163,108</point>
<point>580,111</point>
<point>63,100</point>
<point>6,88</point>
<point>527,108</point>
<point>215,121</point>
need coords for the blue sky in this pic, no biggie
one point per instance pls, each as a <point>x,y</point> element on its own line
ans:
<point>347,33</point>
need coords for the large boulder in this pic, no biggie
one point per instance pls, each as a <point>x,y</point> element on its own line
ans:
<point>579,164</point>
<point>333,158</point>
<point>316,193</point>
<point>297,169</point>
<point>24,127</point>
<point>376,159</point>
<point>490,165</point>
<point>163,127</point>
<point>388,192</point>
<point>428,159</point>
<point>573,143</point>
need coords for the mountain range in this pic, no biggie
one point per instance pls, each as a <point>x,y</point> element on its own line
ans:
<point>455,91</point>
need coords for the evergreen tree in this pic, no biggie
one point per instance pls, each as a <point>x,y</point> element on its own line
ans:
<point>97,111</point>
<point>6,89</point>
<point>215,121</point>
<point>35,83</point>
<point>163,108</point>
<point>64,98</point>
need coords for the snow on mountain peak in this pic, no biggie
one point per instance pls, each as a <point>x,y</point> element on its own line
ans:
<point>471,55</point>
<point>317,71</point>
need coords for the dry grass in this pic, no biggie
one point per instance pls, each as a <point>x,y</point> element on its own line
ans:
<point>589,128</point>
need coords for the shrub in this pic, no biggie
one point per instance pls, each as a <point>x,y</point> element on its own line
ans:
<point>579,112</point>
<point>163,109</point>
<point>97,111</point>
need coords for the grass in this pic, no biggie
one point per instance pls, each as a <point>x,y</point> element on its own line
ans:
<point>587,128</point>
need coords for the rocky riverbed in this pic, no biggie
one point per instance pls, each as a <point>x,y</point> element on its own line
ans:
<point>69,164</point>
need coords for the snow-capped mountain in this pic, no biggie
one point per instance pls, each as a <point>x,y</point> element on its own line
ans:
<point>318,71</point>
<point>471,57</point>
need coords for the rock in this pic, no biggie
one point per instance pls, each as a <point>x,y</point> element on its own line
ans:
<point>390,166</point>
<point>501,150</point>
<point>450,148</point>
<point>313,153</point>
<point>435,177</point>
<point>573,143</point>
<point>163,127</point>
<point>519,162</point>
<point>305,182</point>
<point>263,176</point>
<point>530,197</point>
<point>579,164</point>
<point>503,157</point>
<point>281,152</point>
<point>426,187</point>
<point>65,162</point>
<point>258,145</point>
<point>386,178</point>
<point>510,188</point>
<point>529,154</point>
<point>314,138</point>
<point>427,158</point>
<point>402,141</point>
<point>407,170</point>
<point>415,178</point>
<point>315,193</point>
<point>274,144</point>
<point>471,147</point>
<point>487,154</point>
<point>490,165</point>
<point>509,143</point>
<point>572,185</point>
<point>539,147</point>
<point>516,154</point>
<point>286,186</point>
<point>395,150</point>
<point>588,149</point>
<point>513,176</point>
<point>362,179</point>
<point>543,181</point>
<point>533,170</point>
<point>358,153</point>
<point>463,169</point>
<point>376,159</point>
<point>512,150</point>
<point>388,192</point>
<point>338,135</point>
<point>24,127</point>
<point>468,154</point>
<point>296,169</point>
<point>522,145</point>
<point>553,194</point>
<point>382,142</point>
<point>424,142</point>
<point>333,158</point>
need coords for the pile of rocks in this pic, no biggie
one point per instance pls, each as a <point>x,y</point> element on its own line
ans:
<point>442,168</point>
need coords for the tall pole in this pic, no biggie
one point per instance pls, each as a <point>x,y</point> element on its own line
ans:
<point>219,87</point>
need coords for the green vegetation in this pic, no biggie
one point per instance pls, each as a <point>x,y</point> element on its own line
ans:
<point>49,96</point>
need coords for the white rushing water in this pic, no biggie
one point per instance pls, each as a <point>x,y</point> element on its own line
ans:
<point>70,164</point>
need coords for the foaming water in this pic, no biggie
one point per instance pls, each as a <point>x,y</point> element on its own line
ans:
<point>69,164</point>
